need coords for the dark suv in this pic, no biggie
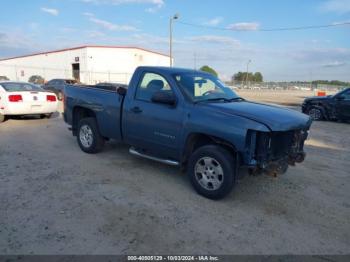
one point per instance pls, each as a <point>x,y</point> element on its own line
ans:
<point>335,107</point>
<point>57,86</point>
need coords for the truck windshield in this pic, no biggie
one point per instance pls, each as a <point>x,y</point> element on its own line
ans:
<point>204,87</point>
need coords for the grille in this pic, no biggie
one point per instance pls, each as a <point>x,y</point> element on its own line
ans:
<point>277,145</point>
<point>281,144</point>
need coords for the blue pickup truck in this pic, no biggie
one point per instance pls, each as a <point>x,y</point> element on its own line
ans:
<point>191,119</point>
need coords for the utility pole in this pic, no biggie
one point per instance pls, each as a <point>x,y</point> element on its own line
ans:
<point>246,77</point>
<point>176,16</point>
<point>311,79</point>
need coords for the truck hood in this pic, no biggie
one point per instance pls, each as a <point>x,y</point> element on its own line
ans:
<point>274,117</point>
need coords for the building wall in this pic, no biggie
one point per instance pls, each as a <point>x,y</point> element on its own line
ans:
<point>97,64</point>
<point>118,64</point>
<point>49,65</point>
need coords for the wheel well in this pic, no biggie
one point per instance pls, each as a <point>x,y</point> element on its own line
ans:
<point>321,107</point>
<point>78,114</point>
<point>197,140</point>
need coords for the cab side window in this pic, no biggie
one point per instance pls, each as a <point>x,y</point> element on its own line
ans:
<point>346,95</point>
<point>150,84</point>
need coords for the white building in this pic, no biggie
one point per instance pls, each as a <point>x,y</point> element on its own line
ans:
<point>89,64</point>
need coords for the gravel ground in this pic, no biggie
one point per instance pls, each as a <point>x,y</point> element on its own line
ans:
<point>55,199</point>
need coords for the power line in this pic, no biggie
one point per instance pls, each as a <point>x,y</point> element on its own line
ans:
<point>266,29</point>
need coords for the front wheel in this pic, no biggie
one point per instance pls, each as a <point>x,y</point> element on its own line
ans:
<point>211,170</point>
<point>315,113</point>
<point>89,137</point>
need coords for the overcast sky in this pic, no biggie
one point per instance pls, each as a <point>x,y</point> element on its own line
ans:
<point>40,25</point>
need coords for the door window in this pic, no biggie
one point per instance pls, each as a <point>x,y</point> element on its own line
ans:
<point>346,95</point>
<point>201,87</point>
<point>150,84</point>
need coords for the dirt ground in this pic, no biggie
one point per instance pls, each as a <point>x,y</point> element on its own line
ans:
<point>55,199</point>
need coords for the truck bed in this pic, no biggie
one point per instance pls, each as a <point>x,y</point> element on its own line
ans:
<point>104,101</point>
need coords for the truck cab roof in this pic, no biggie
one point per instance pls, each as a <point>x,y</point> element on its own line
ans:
<point>168,70</point>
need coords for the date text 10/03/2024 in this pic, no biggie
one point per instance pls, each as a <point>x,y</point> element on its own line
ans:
<point>173,258</point>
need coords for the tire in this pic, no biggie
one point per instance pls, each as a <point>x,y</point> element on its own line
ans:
<point>48,116</point>
<point>89,137</point>
<point>204,168</point>
<point>2,118</point>
<point>315,113</point>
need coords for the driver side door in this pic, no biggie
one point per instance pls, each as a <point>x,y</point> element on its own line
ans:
<point>150,126</point>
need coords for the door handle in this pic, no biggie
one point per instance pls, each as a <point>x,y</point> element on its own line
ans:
<point>136,110</point>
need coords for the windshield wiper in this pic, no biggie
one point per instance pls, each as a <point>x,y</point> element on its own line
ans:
<point>214,99</point>
<point>227,100</point>
<point>236,99</point>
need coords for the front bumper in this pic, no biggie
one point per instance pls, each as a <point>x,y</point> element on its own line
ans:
<point>273,152</point>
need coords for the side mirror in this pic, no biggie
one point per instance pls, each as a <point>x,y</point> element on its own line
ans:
<point>162,97</point>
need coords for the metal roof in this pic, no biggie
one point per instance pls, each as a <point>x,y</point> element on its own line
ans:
<point>82,47</point>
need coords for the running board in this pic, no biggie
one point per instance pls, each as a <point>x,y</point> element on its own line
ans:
<point>164,161</point>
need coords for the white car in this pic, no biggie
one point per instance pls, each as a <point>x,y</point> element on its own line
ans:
<point>20,98</point>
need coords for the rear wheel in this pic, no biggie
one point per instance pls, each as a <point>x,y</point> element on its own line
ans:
<point>212,171</point>
<point>2,118</point>
<point>315,113</point>
<point>89,137</point>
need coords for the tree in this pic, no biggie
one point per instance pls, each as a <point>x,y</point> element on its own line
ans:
<point>242,76</point>
<point>208,70</point>
<point>332,82</point>
<point>36,79</point>
<point>258,77</point>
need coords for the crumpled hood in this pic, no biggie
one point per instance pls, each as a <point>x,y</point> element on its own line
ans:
<point>274,117</point>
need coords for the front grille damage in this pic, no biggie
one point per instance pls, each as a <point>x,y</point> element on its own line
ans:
<point>272,152</point>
